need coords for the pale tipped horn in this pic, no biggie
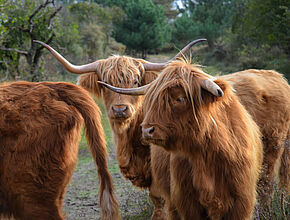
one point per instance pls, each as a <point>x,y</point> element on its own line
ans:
<point>127,91</point>
<point>159,66</point>
<point>91,67</point>
<point>211,87</point>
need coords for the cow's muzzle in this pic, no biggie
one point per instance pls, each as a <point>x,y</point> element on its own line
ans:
<point>121,111</point>
<point>147,133</point>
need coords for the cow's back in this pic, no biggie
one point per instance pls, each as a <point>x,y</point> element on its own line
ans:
<point>265,94</point>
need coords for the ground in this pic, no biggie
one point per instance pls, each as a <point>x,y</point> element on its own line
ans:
<point>82,203</point>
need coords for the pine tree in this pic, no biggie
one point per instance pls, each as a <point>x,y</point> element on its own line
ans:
<point>203,18</point>
<point>143,28</point>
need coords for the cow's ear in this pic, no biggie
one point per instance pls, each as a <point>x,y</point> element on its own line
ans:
<point>89,81</point>
<point>148,77</point>
<point>208,97</point>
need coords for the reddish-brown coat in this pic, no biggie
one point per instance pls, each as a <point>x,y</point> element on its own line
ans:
<point>40,127</point>
<point>206,151</point>
<point>266,96</point>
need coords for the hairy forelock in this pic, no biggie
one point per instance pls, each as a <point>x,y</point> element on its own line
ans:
<point>121,71</point>
<point>181,74</point>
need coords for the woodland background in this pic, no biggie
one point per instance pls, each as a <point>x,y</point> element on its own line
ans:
<point>241,33</point>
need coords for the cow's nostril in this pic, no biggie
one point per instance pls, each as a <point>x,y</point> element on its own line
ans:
<point>151,130</point>
<point>148,132</point>
<point>120,108</point>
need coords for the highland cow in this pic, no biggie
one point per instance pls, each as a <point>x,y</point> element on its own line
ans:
<point>214,144</point>
<point>266,96</point>
<point>40,126</point>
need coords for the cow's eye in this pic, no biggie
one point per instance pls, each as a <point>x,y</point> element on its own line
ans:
<point>136,82</point>
<point>180,99</point>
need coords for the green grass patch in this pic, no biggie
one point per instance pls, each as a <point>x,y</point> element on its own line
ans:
<point>114,168</point>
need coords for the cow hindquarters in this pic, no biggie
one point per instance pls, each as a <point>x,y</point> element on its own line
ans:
<point>35,184</point>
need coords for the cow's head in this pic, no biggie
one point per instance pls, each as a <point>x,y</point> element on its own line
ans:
<point>118,71</point>
<point>178,104</point>
<point>124,72</point>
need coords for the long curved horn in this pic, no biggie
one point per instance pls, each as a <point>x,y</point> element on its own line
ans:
<point>211,87</point>
<point>127,91</point>
<point>91,67</point>
<point>159,66</point>
<point>206,84</point>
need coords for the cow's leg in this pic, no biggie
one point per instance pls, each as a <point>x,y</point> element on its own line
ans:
<point>44,203</point>
<point>284,174</point>
<point>284,171</point>
<point>61,198</point>
<point>158,212</point>
<point>272,153</point>
<point>172,212</point>
<point>242,209</point>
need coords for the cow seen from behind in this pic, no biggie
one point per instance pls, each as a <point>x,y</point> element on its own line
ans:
<point>40,126</point>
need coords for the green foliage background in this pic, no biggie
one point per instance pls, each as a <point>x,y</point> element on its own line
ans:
<point>241,33</point>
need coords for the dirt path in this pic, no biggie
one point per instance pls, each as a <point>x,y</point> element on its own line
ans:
<point>82,203</point>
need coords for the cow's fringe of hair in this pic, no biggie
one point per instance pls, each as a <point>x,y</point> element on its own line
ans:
<point>170,77</point>
<point>115,70</point>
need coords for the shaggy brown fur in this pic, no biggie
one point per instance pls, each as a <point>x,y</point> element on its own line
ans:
<point>40,127</point>
<point>133,156</point>
<point>266,96</point>
<point>214,145</point>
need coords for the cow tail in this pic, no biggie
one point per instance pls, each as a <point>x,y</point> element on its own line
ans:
<point>90,112</point>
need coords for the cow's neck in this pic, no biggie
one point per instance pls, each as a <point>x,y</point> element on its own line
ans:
<point>130,135</point>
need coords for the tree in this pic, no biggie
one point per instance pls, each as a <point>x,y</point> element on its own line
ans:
<point>143,27</point>
<point>265,21</point>
<point>3,18</point>
<point>203,18</point>
<point>170,12</point>
<point>95,27</point>
<point>27,21</point>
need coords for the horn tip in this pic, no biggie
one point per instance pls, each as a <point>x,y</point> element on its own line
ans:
<point>220,93</point>
<point>40,42</point>
<point>100,82</point>
<point>197,41</point>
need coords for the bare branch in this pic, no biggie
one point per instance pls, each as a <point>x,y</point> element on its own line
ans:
<point>14,50</point>
<point>53,15</point>
<point>38,50</point>
<point>47,2</point>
